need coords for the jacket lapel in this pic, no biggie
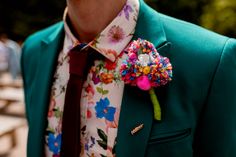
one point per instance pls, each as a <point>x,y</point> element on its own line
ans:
<point>136,105</point>
<point>41,92</point>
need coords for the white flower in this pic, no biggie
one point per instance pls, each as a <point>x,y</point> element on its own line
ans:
<point>144,59</point>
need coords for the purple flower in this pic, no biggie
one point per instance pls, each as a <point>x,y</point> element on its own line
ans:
<point>88,145</point>
<point>116,34</point>
<point>103,110</point>
<point>95,79</point>
<point>127,9</point>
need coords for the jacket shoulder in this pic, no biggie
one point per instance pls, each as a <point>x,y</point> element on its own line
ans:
<point>33,44</point>
<point>33,41</point>
<point>191,36</point>
<point>31,53</point>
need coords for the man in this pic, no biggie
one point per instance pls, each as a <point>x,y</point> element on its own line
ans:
<point>3,58</point>
<point>198,105</point>
<point>13,51</point>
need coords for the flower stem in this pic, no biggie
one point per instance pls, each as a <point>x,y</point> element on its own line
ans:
<point>156,105</point>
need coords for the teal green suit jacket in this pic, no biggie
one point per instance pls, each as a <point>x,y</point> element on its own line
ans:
<point>199,105</point>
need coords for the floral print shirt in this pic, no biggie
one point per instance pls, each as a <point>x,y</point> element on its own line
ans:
<point>102,91</point>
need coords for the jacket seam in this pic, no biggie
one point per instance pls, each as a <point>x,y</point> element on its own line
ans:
<point>216,69</point>
<point>199,120</point>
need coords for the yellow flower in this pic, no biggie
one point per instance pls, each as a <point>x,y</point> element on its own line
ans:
<point>140,69</point>
<point>146,70</point>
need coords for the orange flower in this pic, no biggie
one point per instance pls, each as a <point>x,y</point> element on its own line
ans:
<point>109,53</point>
<point>146,70</point>
<point>107,78</point>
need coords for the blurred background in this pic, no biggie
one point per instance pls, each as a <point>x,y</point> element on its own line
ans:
<point>18,19</point>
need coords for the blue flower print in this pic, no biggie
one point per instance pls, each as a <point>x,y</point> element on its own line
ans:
<point>103,110</point>
<point>54,143</point>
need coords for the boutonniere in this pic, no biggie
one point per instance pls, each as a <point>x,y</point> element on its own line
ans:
<point>145,68</point>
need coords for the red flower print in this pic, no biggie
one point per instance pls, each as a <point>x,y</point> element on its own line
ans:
<point>89,89</point>
<point>51,107</point>
<point>89,114</point>
<point>109,65</point>
<point>116,34</point>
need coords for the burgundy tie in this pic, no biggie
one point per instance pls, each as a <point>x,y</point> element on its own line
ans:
<point>71,116</point>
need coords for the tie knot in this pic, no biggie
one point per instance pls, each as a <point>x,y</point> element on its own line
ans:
<point>77,62</point>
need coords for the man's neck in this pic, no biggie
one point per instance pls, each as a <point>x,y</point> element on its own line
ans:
<point>89,17</point>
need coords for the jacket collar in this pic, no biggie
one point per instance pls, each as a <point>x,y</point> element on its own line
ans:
<point>136,108</point>
<point>149,26</point>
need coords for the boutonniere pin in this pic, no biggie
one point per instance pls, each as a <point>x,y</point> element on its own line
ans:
<point>145,68</point>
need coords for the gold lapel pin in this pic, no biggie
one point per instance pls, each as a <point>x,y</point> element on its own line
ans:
<point>137,129</point>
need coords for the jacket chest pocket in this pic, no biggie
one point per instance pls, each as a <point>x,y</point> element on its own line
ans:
<point>172,136</point>
<point>177,143</point>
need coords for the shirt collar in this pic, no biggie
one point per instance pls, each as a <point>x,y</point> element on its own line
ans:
<point>114,38</point>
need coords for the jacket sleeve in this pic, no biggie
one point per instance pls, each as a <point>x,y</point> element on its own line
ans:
<point>216,131</point>
<point>26,94</point>
<point>29,63</point>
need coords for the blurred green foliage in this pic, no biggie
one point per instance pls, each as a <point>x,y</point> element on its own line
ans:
<point>189,10</point>
<point>216,15</point>
<point>19,18</point>
<point>220,16</point>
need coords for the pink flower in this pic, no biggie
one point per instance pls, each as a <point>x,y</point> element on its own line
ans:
<point>116,34</point>
<point>143,83</point>
<point>113,124</point>
<point>132,56</point>
<point>109,53</point>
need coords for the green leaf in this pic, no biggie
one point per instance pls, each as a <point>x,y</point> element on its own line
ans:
<point>58,114</point>
<point>99,90</point>
<point>102,135</point>
<point>50,130</point>
<point>104,92</point>
<point>103,144</point>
